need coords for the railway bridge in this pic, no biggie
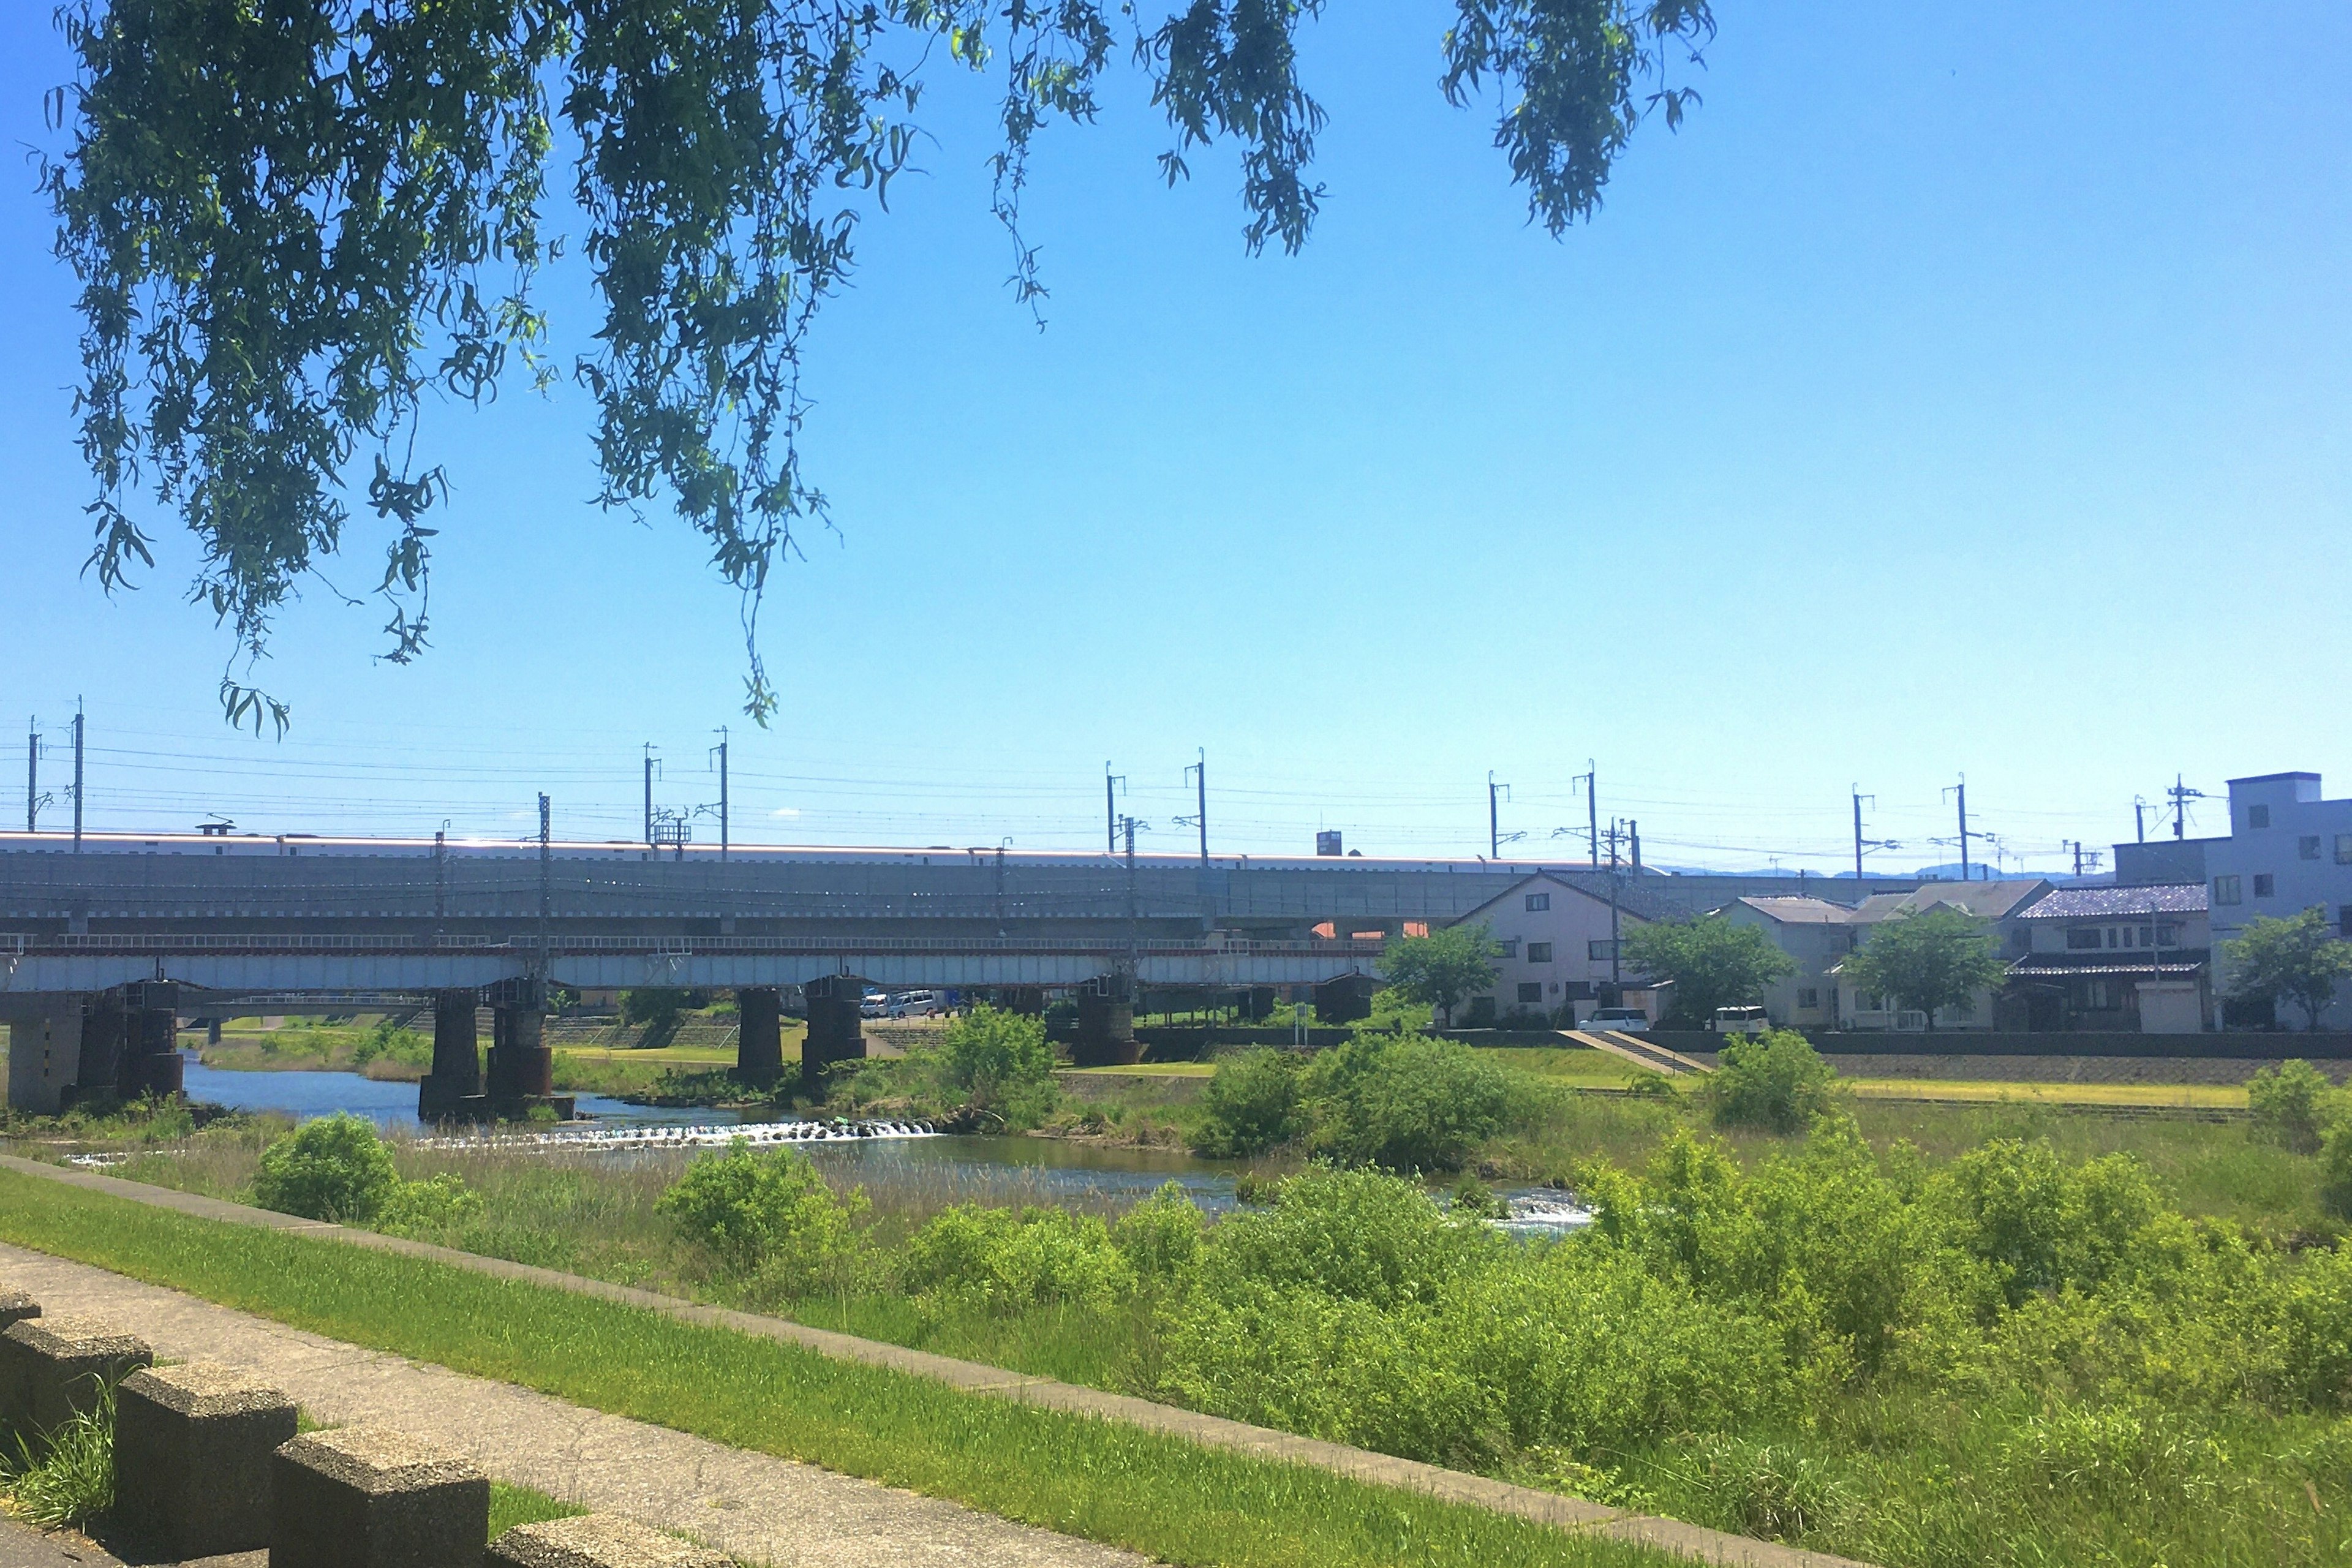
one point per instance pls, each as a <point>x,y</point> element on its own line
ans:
<point>105,941</point>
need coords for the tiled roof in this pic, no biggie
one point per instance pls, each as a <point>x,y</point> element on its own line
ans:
<point>1986,900</point>
<point>2060,966</point>
<point>2090,903</point>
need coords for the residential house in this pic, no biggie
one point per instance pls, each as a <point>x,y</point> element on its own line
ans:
<point>1817,934</point>
<point>2134,959</point>
<point>1997,903</point>
<point>1558,951</point>
<point>2288,851</point>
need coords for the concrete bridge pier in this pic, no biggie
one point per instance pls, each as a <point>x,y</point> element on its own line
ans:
<point>522,1066</point>
<point>833,1031</point>
<point>1105,1035</point>
<point>453,1090</point>
<point>759,1035</point>
<point>151,1065</point>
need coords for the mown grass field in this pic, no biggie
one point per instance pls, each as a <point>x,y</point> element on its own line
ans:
<point>1146,1491</point>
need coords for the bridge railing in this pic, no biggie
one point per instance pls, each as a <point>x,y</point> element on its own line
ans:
<point>31,943</point>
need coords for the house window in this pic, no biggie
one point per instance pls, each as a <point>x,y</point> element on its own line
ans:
<point>2112,940</point>
<point>2082,939</point>
<point>2225,891</point>
<point>2343,849</point>
<point>1510,946</point>
<point>2094,997</point>
<point>1865,1002</point>
<point>1810,996</point>
<point>2264,884</point>
<point>1540,902</point>
<point>1530,993</point>
<point>2258,816</point>
<point>2308,846</point>
<point>1600,952</point>
<point>2167,934</point>
<point>1538,952</point>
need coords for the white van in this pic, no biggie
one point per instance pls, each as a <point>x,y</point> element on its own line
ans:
<point>916,1004</point>
<point>1741,1021</point>
<point>1619,1020</point>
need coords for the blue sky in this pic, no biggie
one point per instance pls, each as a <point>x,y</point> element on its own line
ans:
<point>1956,392</point>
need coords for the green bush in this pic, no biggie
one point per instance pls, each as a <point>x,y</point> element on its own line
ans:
<point>998,1064</point>
<point>767,1215</point>
<point>2336,1170</point>
<point>1164,1235</point>
<point>397,1044</point>
<point>1404,1101</point>
<point>438,1204</point>
<point>333,1168</point>
<point>1252,1105</point>
<point>1774,1082</point>
<point>1006,1260</point>
<point>659,1006</point>
<point>2292,1104</point>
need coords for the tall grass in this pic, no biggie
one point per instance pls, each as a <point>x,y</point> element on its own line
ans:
<point>1153,1493</point>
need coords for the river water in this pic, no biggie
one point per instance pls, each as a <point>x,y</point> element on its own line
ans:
<point>975,1169</point>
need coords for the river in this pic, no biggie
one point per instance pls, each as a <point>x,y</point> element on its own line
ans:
<point>975,1169</point>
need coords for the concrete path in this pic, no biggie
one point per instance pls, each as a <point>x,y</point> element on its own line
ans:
<point>757,1506</point>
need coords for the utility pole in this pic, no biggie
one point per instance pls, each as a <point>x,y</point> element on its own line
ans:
<point>1634,830</point>
<point>1494,816</point>
<point>721,750</point>
<point>1858,798</point>
<point>650,765</point>
<point>1110,809</point>
<point>77,775</point>
<point>2139,819</point>
<point>1961,789</point>
<point>1592,810</point>
<point>1200,772</point>
<point>33,775</point>
<point>1616,974</point>
<point>2181,795</point>
<point>440,875</point>
<point>546,865</point>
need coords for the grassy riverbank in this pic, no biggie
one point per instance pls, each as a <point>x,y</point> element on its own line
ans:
<point>1154,1494</point>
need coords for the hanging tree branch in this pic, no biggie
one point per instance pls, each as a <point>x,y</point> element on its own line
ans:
<point>291,219</point>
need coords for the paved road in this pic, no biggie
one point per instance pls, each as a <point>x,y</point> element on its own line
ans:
<point>757,1506</point>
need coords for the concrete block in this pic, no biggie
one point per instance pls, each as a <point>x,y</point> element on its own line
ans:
<point>363,1497</point>
<point>599,1540</point>
<point>15,1306</point>
<point>53,1369</point>
<point>192,1448</point>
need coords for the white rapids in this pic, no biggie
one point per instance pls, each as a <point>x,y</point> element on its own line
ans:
<point>758,1134</point>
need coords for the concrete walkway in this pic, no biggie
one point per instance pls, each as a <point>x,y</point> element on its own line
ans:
<point>1684,1540</point>
<point>754,1506</point>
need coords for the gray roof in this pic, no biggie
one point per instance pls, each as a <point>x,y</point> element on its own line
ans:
<point>1801,912</point>
<point>2087,903</point>
<point>1986,900</point>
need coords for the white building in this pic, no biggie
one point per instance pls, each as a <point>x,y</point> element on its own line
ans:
<point>1556,952</point>
<point>2288,851</point>
<point>1818,935</point>
<point>1997,903</point>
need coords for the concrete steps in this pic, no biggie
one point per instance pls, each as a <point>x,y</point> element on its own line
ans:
<point>1635,1049</point>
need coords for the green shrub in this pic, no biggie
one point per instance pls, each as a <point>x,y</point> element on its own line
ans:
<point>2336,1170</point>
<point>439,1204</point>
<point>2043,1225</point>
<point>334,1168</point>
<point>1006,1260</point>
<point>1775,1081</point>
<point>1404,1101</point>
<point>395,1045</point>
<point>1252,1105</point>
<point>1162,1237</point>
<point>998,1064</point>
<point>2292,1104</point>
<point>659,1006</point>
<point>767,1215</point>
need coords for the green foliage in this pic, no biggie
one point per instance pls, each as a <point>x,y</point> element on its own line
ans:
<point>2297,960</point>
<point>440,1203</point>
<point>1928,960</point>
<point>2292,1104</point>
<point>288,227</point>
<point>334,1168</point>
<point>767,1215</point>
<point>68,1483</point>
<point>659,1006</point>
<point>1774,1080</point>
<point>393,1044</point>
<point>2041,1225</point>
<point>1405,1101</point>
<point>2335,1169</point>
<point>1164,1235</point>
<point>1395,1013</point>
<point>997,1063</point>
<point>1442,968</point>
<point>1713,960</point>
<point>1252,1105</point>
<point>1008,1260</point>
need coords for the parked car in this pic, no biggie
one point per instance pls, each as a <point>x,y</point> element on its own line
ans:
<point>916,1004</point>
<point>1741,1021</point>
<point>873,1005</point>
<point>1620,1020</point>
